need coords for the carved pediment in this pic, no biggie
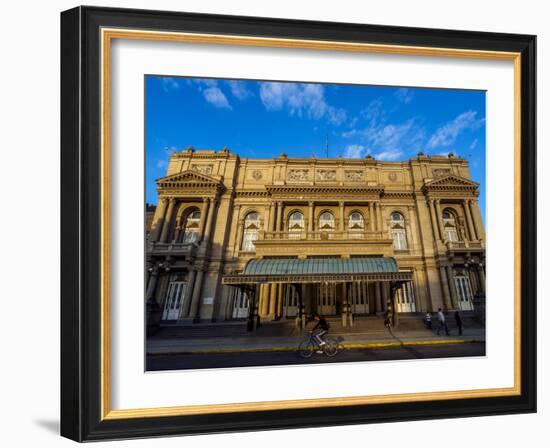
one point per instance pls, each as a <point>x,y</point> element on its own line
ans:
<point>188,179</point>
<point>450,182</point>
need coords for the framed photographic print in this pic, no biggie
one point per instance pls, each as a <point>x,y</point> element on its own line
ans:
<point>276,224</point>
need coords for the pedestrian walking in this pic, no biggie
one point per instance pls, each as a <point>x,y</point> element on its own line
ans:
<point>387,321</point>
<point>458,321</point>
<point>428,320</point>
<point>442,322</point>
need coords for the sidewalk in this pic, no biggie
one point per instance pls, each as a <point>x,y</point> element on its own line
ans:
<point>251,344</point>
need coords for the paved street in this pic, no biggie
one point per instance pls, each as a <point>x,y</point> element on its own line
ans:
<point>206,361</point>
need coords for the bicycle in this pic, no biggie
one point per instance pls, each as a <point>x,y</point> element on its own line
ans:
<point>310,345</point>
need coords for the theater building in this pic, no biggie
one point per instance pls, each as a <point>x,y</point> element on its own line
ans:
<point>275,239</point>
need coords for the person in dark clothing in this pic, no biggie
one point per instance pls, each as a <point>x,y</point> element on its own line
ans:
<point>387,320</point>
<point>458,321</point>
<point>320,329</point>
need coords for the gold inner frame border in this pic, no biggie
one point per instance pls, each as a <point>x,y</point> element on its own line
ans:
<point>107,35</point>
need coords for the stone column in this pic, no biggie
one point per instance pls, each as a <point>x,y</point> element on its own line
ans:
<point>474,283</point>
<point>378,216</point>
<point>378,297</point>
<point>445,287</point>
<point>452,286</point>
<point>273,301</point>
<point>264,300</point>
<point>159,219</point>
<point>209,221</point>
<point>279,216</point>
<point>267,216</point>
<point>188,293</point>
<point>194,311</point>
<point>342,219</point>
<point>476,218</point>
<point>240,230</point>
<point>272,212</point>
<point>413,230</point>
<point>384,298</point>
<point>311,218</point>
<point>152,284</point>
<point>469,221</point>
<point>177,230</point>
<point>435,225</point>
<point>439,218</point>
<point>481,276</point>
<point>280,300</point>
<point>204,212</point>
<point>371,216</point>
<point>167,221</point>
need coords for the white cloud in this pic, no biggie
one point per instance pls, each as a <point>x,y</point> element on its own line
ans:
<point>390,155</point>
<point>447,134</point>
<point>201,83</point>
<point>215,96</point>
<point>302,100</point>
<point>473,144</point>
<point>350,133</point>
<point>162,164</point>
<point>239,90</point>
<point>169,83</point>
<point>354,151</point>
<point>404,95</point>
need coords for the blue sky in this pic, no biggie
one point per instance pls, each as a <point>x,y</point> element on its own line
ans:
<point>262,119</point>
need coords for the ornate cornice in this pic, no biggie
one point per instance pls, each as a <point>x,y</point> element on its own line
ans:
<point>450,183</point>
<point>189,182</point>
<point>316,190</point>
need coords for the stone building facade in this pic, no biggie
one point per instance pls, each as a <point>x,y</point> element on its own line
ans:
<point>217,211</point>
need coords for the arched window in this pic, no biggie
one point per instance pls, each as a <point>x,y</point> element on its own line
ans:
<point>449,226</point>
<point>326,224</point>
<point>356,225</point>
<point>296,225</point>
<point>398,231</point>
<point>250,232</point>
<point>191,229</point>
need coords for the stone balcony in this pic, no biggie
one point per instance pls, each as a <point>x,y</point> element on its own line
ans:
<point>337,243</point>
<point>173,249</point>
<point>465,246</point>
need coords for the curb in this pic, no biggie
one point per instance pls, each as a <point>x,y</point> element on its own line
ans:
<point>294,348</point>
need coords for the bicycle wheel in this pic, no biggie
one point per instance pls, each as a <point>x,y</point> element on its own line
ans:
<point>330,347</point>
<point>306,349</point>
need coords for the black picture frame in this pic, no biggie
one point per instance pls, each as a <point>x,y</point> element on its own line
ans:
<point>81,224</point>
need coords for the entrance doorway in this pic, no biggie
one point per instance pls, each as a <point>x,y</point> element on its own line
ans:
<point>358,297</point>
<point>290,300</point>
<point>326,298</point>
<point>464,292</point>
<point>240,304</point>
<point>174,300</point>
<point>406,302</point>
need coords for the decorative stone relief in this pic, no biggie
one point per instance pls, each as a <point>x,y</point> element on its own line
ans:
<point>439,172</point>
<point>298,174</point>
<point>326,174</point>
<point>392,177</point>
<point>354,175</point>
<point>203,169</point>
<point>257,174</point>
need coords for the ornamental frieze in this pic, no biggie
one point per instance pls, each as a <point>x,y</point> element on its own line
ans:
<point>298,174</point>
<point>354,175</point>
<point>203,169</point>
<point>439,172</point>
<point>326,175</point>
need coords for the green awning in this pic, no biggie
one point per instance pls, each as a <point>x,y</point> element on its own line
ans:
<point>298,266</point>
<point>314,270</point>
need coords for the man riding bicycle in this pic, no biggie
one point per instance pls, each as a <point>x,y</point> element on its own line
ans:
<point>320,329</point>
